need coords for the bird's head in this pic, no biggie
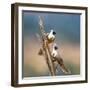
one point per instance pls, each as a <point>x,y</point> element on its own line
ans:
<point>53,32</point>
<point>55,46</point>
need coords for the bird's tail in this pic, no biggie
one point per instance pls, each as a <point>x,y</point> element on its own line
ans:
<point>64,69</point>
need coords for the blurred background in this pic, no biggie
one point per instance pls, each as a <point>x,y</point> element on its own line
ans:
<point>67,27</point>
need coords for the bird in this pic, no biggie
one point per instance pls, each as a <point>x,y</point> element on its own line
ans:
<point>51,36</point>
<point>57,58</point>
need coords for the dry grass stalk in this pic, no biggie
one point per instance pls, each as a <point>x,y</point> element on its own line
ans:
<point>46,49</point>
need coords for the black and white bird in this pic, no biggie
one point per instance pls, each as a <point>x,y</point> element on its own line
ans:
<point>51,36</point>
<point>56,58</point>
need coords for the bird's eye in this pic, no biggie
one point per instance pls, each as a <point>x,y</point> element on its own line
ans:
<point>54,33</point>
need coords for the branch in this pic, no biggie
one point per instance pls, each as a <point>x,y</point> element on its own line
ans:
<point>46,48</point>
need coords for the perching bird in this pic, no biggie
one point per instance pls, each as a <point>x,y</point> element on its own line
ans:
<point>56,58</point>
<point>51,36</point>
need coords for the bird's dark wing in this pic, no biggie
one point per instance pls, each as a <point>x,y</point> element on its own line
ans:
<point>61,63</point>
